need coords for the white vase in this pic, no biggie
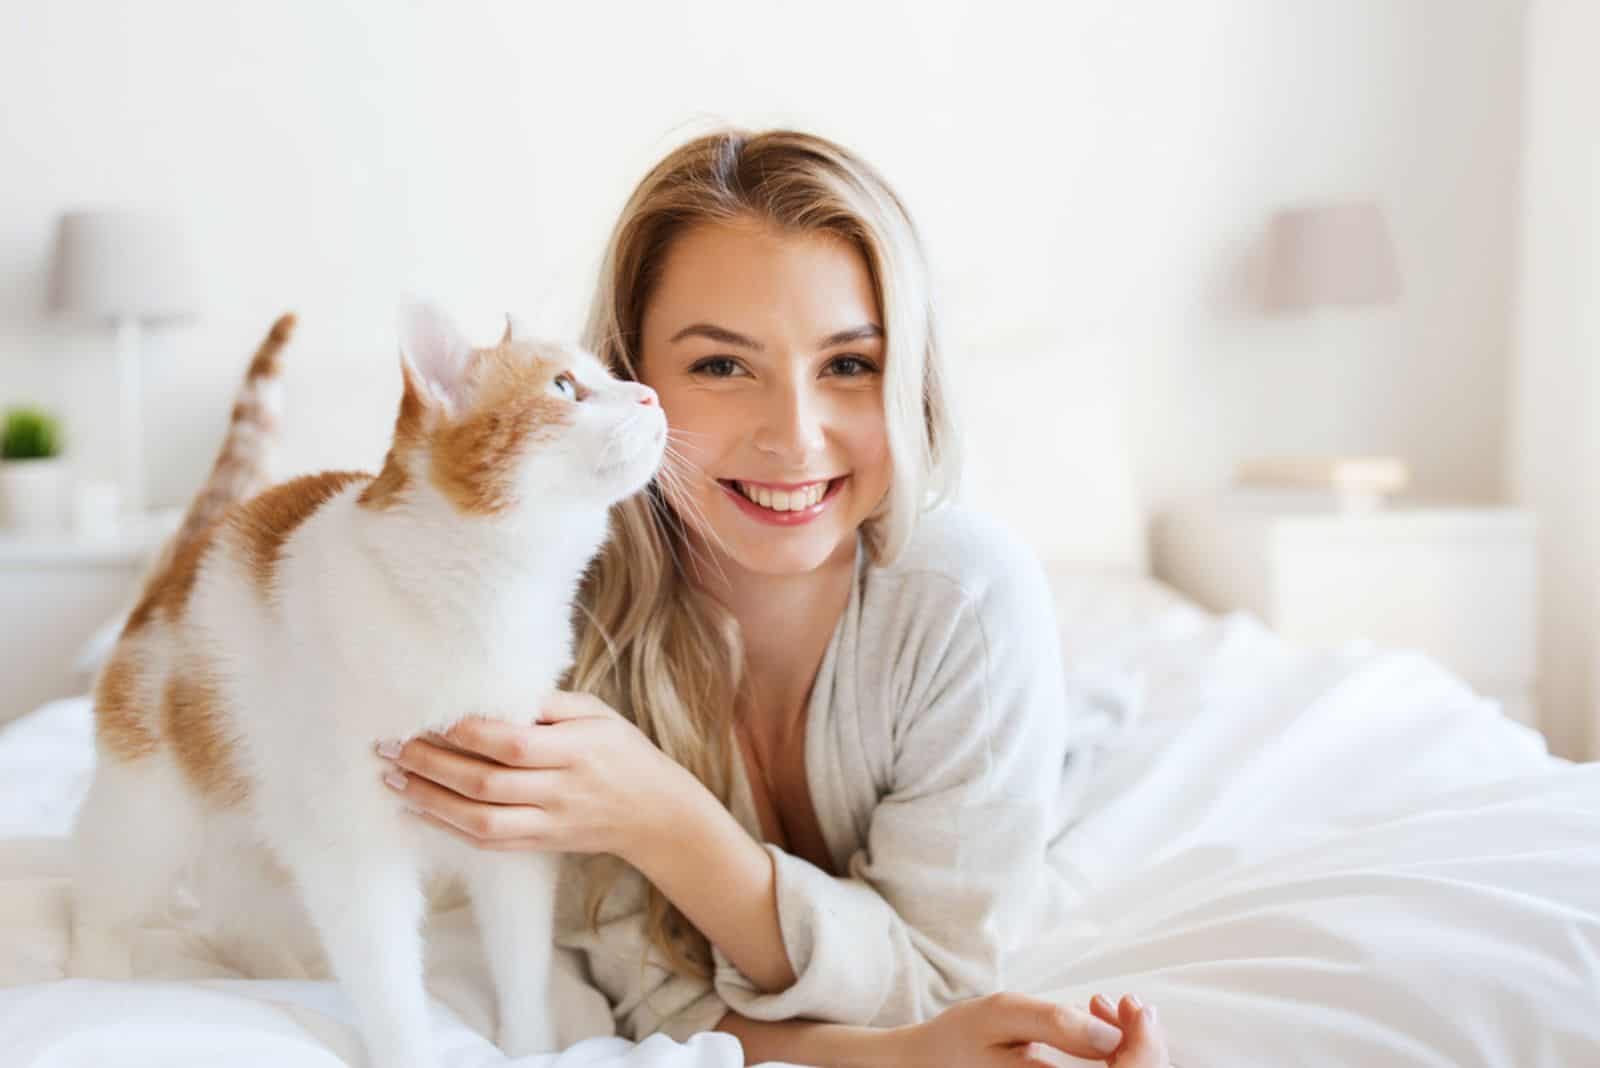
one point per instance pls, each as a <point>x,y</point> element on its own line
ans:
<point>32,494</point>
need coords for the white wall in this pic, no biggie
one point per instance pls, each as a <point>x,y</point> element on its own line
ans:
<point>1555,455</point>
<point>1103,170</point>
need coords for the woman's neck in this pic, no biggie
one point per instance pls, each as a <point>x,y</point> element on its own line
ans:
<point>786,622</point>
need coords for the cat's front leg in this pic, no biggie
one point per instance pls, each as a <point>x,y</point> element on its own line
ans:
<point>513,898</point>
<point>367,908</point>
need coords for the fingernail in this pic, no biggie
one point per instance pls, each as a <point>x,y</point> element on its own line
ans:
<point>396,779</point>
<point>1133,999</point>
<point>389,748</point>
<point>1104,1037</point>
<point>1099,1001</point>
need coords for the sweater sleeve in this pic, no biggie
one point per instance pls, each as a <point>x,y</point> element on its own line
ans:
<point>645,995</point>
<point>954,855</point>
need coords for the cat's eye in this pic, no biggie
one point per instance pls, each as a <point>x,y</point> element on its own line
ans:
<point>565,384</point>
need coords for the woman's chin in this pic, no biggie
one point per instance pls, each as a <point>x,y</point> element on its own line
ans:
<point>786,551</point>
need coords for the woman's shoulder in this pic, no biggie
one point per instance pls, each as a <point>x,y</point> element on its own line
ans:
<point>962,552</point>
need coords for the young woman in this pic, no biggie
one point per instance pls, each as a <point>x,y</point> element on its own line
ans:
<point>817,713</point>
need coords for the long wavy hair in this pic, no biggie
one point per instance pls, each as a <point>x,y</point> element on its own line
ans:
<point>649,643</point>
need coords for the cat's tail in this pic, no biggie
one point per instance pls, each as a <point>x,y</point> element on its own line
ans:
<point>244,466</point>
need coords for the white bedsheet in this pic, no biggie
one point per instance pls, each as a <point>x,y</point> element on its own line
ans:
<point>1328,859</point>
<point>1302,858</point>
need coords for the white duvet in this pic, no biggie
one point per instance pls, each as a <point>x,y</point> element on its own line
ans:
<point>1302,858</point>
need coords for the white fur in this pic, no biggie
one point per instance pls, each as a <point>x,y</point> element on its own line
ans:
<point>384,624</point>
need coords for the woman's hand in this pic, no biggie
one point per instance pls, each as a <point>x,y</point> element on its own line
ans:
<point>580,780</point>
<point>1144,1045</point>
<point>1008,1030</point>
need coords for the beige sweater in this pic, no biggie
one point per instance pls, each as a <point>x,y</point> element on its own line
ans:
<point>935,747</point>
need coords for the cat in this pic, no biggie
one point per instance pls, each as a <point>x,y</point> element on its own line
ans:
<point>285,631</point>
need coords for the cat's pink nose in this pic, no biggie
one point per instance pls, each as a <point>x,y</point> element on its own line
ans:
<point>649,397</point>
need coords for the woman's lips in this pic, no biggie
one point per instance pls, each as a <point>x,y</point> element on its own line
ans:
<point>783,519</point>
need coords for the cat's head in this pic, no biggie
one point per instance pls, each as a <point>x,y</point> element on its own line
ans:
<point>522,425</point>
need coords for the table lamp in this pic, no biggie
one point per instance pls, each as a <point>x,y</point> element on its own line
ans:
<point>1327,254</point>
<point>128,269</point>
<point>1333,254</point>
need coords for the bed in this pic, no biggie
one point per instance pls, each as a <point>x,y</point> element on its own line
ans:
<point>1312,858</point>
<point>1303,858</point>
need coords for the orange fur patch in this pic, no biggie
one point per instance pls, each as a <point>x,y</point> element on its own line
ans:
<point>266,358</point>
<point>119,726</point>
<point>474,458</point>
<point>169,590</point>
<point>265,521</point>
<point>409,435</point>
<point>192,724</point>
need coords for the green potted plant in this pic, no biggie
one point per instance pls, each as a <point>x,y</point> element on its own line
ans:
<point>31,469</point>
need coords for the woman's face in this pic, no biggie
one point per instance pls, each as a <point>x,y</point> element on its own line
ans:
<point>767,352</point>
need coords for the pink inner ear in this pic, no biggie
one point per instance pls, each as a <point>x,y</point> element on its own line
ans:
<point>436,350</point>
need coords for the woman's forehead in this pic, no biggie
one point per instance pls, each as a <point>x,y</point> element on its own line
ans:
<point>745,277</point>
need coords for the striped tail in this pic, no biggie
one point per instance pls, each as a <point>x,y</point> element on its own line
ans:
<point>244,467</point>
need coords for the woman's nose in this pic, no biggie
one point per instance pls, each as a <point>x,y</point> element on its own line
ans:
<point>794,428</point>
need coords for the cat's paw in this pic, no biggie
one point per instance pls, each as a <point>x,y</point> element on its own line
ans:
<point>97,954</point>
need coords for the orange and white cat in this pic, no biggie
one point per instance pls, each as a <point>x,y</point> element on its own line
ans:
<point>284,632</point>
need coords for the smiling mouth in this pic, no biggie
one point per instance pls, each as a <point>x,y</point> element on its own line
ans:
<point>797,499</point>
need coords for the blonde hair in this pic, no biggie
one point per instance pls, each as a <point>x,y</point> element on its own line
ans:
<point>650,644</point>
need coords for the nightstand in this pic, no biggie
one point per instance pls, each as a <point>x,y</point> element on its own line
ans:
<point>1459,584</point>
<point>55,592</point>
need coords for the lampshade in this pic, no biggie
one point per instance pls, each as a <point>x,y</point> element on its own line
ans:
<point>1329,254</point>
<point>122,265</point>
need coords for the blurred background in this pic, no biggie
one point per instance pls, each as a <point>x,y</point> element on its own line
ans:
<point>1106,188</point>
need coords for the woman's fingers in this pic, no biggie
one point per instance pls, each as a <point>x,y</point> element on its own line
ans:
<point>1071,1030</point>
<point>472,776</point>
<point>480,821</point>
<point>1146,1045</point>
<point>517,745</point>
<point>572,704</point>
<point>498,845</point>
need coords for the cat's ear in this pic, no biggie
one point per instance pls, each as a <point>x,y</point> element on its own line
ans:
<point>517,329</point>
<point>434,355</point>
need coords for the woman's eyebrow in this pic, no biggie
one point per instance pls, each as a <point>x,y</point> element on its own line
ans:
<point>725,336</point>
<point>855,333</point>
<point>716,333</point>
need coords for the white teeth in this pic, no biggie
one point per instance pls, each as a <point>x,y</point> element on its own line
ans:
<point>784,500</point>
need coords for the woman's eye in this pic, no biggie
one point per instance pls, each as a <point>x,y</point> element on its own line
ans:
<point>711,362</point>
<point>859,365</point>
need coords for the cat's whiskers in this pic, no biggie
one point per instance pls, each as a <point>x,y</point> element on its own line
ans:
<point>678,480</point>
<point>675,486</point>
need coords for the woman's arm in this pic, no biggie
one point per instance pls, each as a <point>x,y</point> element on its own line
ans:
<point>809,1042</point>
<point>707,865</point>
<point>998,1031</point>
